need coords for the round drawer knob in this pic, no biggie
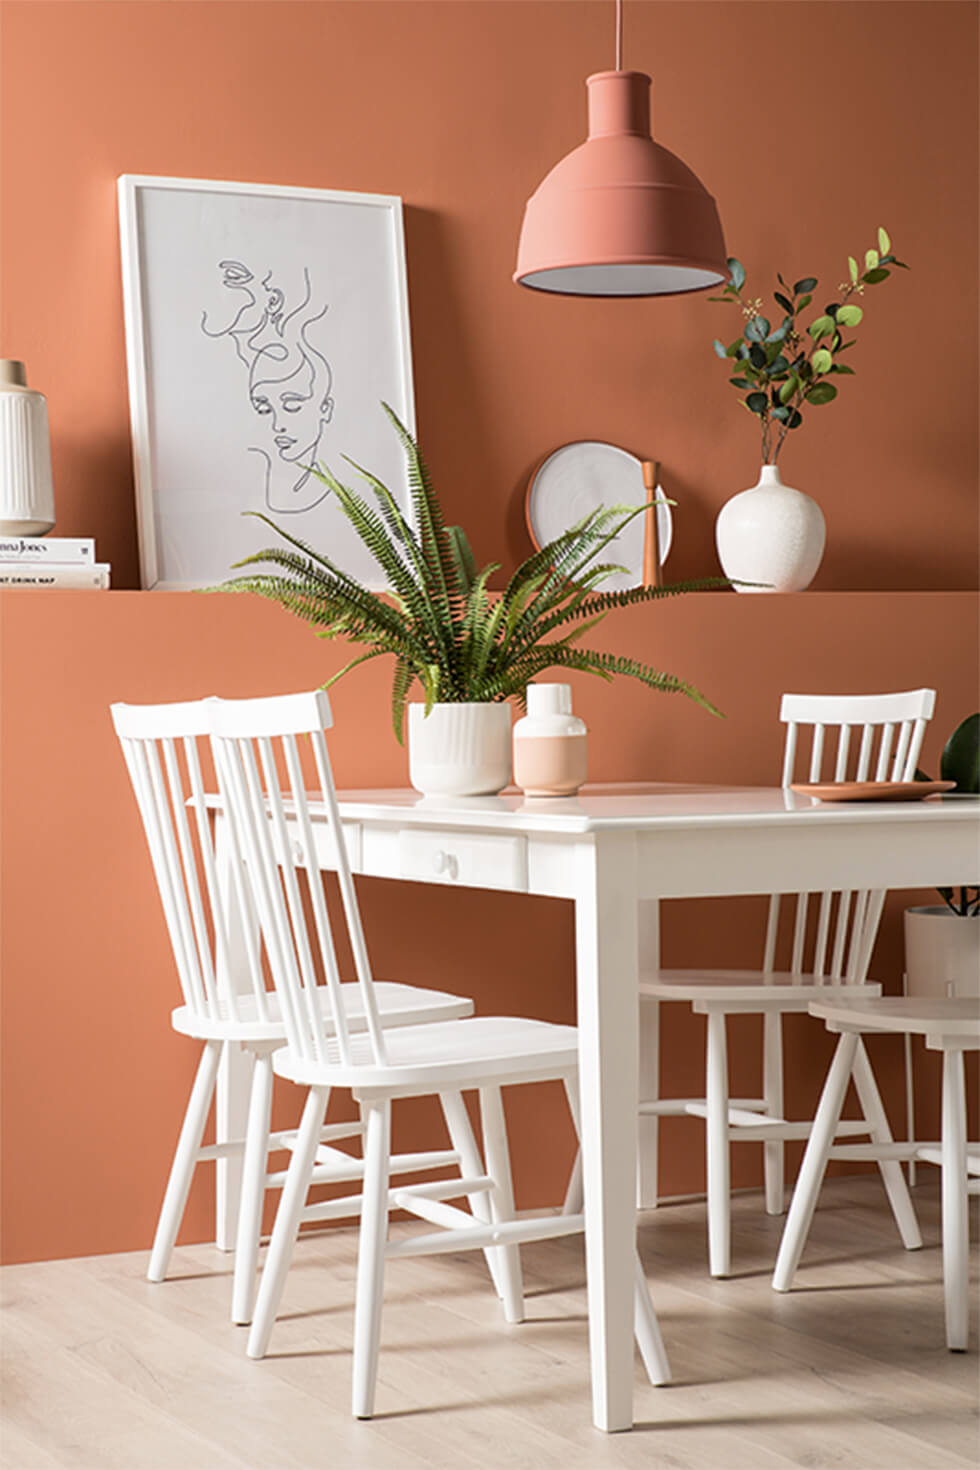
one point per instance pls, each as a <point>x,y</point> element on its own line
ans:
<point>299,857</point>
<point>445,862</point>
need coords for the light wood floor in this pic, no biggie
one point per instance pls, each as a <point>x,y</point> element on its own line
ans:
<point>106,1372</point>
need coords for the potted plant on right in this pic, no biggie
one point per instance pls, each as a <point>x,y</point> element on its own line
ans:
<point>942,941</point>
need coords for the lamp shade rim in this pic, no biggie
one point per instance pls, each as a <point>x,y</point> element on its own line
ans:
<point>525,277</point>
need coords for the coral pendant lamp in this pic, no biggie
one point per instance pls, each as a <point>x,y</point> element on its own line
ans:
<point>620,215</point>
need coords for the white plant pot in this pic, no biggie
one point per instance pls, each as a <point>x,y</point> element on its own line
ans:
<point>460,749</point>
<point>771,534</point>
<point>942,951</point>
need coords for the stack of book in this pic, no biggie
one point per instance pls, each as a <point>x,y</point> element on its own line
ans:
<point>51,561</point>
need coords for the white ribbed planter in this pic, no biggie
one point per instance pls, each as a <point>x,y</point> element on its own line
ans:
<point>460,749</point>
<point>26,490</point>
<point>771,534</point>
<point>942,951</point>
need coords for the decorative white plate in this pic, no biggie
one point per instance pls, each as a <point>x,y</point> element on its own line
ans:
<point>580,477</point>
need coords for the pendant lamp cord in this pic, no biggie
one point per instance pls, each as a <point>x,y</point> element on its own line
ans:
<point>619,35</point>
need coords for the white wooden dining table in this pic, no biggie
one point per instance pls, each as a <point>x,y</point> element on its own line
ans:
<point>612,851</point>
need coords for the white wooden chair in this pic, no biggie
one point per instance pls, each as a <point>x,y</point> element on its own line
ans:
<point>950,1024</point>
<point>226,1000</point>
<point>860,737</point>
<point>254,740</point>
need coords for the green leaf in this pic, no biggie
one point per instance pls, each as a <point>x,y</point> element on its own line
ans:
<point>732,349</point>
<point>719,348</point>
<point>780,413</point>
<point>740,382</point>
<point>852,266</point>
<point>884,244</point>
<point>788,388</point>
<point>870,259</point>
<point>778,365</point>
<point>757,355</point>
<point>736,272</point>
<point>822,327</point>
<point>757,329</point>
<point>850,315</point>
<point>795,419</point>
<point>757,402</point>
<point>840,368</point>
<point>961,756</point>
<point>822,360</point>
<point>872,278</point>
<point>808,283</point>
<point>783,301</point>
<point>821,393</point>
<point>804,302</point>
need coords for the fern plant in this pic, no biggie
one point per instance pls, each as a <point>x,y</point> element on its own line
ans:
<point>438,618</point>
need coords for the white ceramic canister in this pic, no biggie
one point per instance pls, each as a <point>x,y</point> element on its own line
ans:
<point>550,757</point>
<point>459,749</point>
<point>771,535</point>
<point>26,490</point>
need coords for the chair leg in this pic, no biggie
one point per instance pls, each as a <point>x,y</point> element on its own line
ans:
<point>574,1201</point>
<point>288,1216</point>
<point>647,1330</point>
<point>371,1255</point>
<point>719,1166</point>
<point>891,1170</point>
<point>956,1243</point>
<point>185,1160</point>
<point>254,1170</point>
<point>774,1149</point>
<point>814,1164</point>
<point>471,1163</point>
<point>648,1137</point>
<point>502,1199</point>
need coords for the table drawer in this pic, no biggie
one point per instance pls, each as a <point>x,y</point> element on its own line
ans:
<point>471,859</point>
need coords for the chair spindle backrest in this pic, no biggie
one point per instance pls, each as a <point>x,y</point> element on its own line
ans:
<point>275,832</point>
<point>844,733</point>
<point>161,745</point>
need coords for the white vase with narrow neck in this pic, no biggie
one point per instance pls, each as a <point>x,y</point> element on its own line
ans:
<point>771,535</point>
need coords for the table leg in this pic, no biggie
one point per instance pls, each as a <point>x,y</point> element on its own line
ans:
<point>891,1170</point>
<point>955,1219</point>
<point>607,976</point>
<point>648,1148</point>
<point>814,1163</point>
<point>719,1160</point>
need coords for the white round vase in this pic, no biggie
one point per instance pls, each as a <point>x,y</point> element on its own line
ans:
<point>942,951</point>
<point>771,534</point>
<point>459,749</point>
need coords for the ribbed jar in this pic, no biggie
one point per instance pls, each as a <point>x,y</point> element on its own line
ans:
<point>459,749</point>
<point>26,489</point>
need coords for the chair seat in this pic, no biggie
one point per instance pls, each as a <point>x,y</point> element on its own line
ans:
<point>479,1051</point>
<point>400,1005</point>
<point>780,989</point>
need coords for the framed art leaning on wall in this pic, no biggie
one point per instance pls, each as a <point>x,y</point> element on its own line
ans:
<point>264,327</point>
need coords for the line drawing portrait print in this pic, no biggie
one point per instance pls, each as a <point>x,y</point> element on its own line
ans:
<point>289,380</point>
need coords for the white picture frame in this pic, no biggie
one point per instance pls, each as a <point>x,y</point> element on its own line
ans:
<point>265,325</point>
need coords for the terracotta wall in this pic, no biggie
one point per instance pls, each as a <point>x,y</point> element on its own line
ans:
<point>94,1080</point>
<point>810,122</point>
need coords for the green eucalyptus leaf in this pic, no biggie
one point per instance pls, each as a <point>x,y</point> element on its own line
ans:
<point>852,266</point>
<point>757,403</point>
<point>719,348</point>
<point>783,301</point>
<point>873,277</point>
<point>804,302</point>
<point>782,414</point>
<point>732,349</point>
<point>840,368</point>
<point>779,334</point>
<point>757,355</point>
<point>795,419</point>
<point>757,329</point>
<point>788,388</point>
<point>900,263</point>
<point>778,365</point>
<point>821,393</point>
<point>822,360</point>
<point>870,259</point>
<point>884,244</point>
<point>822,327</point>
<point>850,315</point>
<point>740,382</point>
<point>736,272</point>
<point>808,283</point>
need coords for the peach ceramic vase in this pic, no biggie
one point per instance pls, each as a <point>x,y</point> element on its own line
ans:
<point>771,535</point>
<point>549,743</point>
